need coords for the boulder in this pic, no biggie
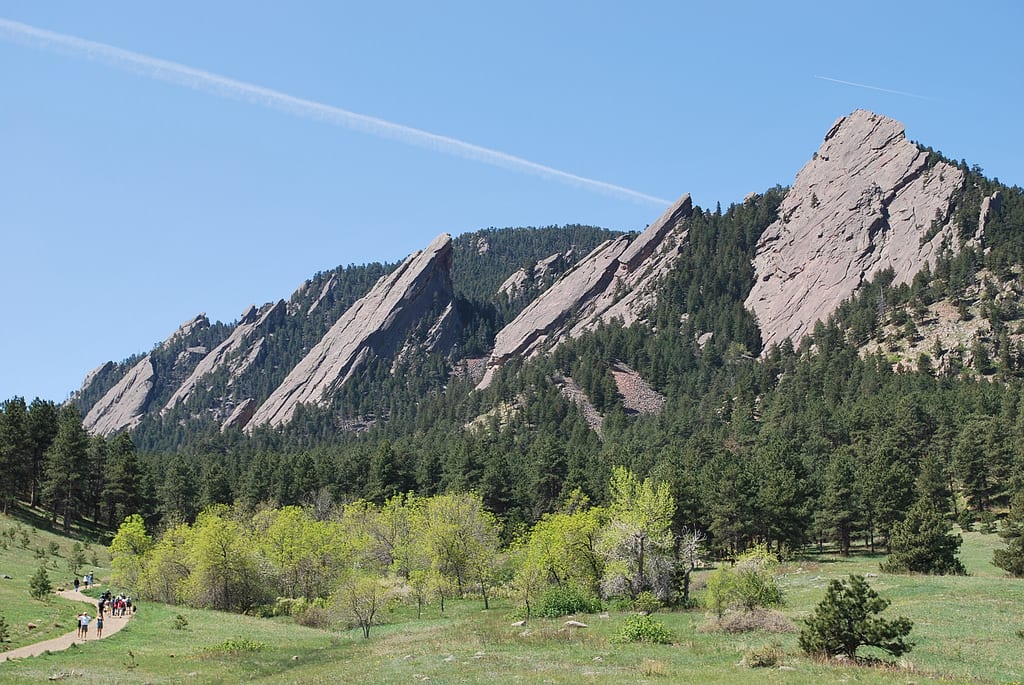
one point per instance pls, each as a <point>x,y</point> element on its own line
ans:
<point>867,201</point>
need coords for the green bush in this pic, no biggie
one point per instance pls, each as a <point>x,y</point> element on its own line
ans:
<point>749,584</point>
<point>846,619</point>
<point>646,603</point>
<point>565,600</point>
<point>5,631</point>
<point>644,628</point>
<point>180,622</point>
<point>39,585</point>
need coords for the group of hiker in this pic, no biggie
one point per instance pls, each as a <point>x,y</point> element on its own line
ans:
<point>87,581</point>
<point>119,606</point>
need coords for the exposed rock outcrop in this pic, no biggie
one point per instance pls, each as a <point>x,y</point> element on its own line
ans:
<point>615,281</point>
<point>246,339</point>
<point>867,201</point>
<point>241,415</point>
<point>377,324</point>
<point>637,394</point>
<point>91,378</point>
<point>543,270</point>
<point>123,406</point>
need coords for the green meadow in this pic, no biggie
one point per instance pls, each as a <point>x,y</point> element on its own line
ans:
<point>966,629</point>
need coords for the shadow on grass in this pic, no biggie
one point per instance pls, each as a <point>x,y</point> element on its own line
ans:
<point>83,529</point>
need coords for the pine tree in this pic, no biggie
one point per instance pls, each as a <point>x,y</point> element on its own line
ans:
<point>66,468</point>
<point>39,584</point>
<point>846,619</point>
<point>1011,557</point>
<point>922,543</point>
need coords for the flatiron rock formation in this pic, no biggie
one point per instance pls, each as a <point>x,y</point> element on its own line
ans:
<point>378,324</point>
<point>124,405</point>
<point>867,201</point>
<point>616,280</point>
<point>238,351</point>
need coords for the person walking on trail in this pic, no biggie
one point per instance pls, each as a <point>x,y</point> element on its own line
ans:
<point>99,626</point>
<point>84,622</point>
<point>76,583</point>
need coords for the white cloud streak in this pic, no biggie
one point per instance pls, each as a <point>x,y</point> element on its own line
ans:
<point>224,87</point>
<point>881,90</point>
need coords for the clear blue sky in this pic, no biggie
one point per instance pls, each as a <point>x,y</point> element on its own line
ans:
<point>130,203</point>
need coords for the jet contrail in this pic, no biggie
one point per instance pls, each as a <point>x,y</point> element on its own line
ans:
<point>883,90</point>
<point>225,87</point>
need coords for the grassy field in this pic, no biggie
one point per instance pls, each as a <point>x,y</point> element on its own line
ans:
<point>965,630</point>
<point>25,545</point>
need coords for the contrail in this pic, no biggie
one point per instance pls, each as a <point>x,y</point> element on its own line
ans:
<point>883,90</point>
<point>225,87</point>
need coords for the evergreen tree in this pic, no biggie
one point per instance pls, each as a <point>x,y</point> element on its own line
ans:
<point>122,494</point>
<point>839,513</point>
<point>67,465</point>
<point>43,418</point>
<point>14,450</point>
<point>846,620</point>
<point>39,584</point>
<point>922,543</point>
<point>1011,557</point>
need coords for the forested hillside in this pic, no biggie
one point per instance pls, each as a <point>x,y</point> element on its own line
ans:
<point>907,393</point>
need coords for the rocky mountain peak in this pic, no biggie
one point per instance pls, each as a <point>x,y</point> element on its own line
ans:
<point>377,324</point>
<point>615,281</point>
<point>868,200</point>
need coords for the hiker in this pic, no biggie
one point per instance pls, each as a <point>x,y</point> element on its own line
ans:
<point>84,623</point>
<point>99,626</point>
<point>76,583</point>
<point>78,624</point>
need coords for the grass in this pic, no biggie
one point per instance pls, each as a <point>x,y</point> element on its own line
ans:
<point>24,546</point>
<point>965,630</point>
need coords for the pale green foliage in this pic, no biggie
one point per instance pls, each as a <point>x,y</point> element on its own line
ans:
<point>224,569</point>
<point>637,542</point>
<point>462,541</point>
<point>361,596</point>
<point>748,584</point>
<point>306,554</point>
<point>644,628</point>
<point>39,584</point>
<point>128,550</point>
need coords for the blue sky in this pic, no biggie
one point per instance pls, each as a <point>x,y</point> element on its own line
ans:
<point>130,203</point>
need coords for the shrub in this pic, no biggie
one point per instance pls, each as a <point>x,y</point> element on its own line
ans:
<point>765,657</point>
<point>644,628</point>
<point>5,631</point>
<point>180,622</point>
<point>565,600</point>
<point>646,603</point>
<point>965,519</point>
<point>749,584</point>
<point>846,619</point>
<point>751,621</point>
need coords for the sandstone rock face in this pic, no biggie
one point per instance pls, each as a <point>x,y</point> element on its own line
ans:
<point>616,280</point>
<point>125,403</point>
<point>377,324</point>
<point>867,201</point>
<point>240,416</point>
<point>238,351</point>
<point>123,406</point>
<point>544,269</point>
<point>91,377</point>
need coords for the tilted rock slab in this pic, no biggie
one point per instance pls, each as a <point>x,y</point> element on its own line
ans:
<point>253,323</point>
<point>865,202</point>
<point>376,324</point>
<point>616,280</point>
<point>123,406</point>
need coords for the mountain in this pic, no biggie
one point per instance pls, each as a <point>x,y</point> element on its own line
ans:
<point>447,331</point>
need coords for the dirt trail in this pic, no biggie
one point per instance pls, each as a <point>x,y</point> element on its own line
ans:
<point>110,626</point>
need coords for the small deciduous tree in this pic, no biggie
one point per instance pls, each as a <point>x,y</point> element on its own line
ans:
<point>361,597</point>
<point>847,619</point>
